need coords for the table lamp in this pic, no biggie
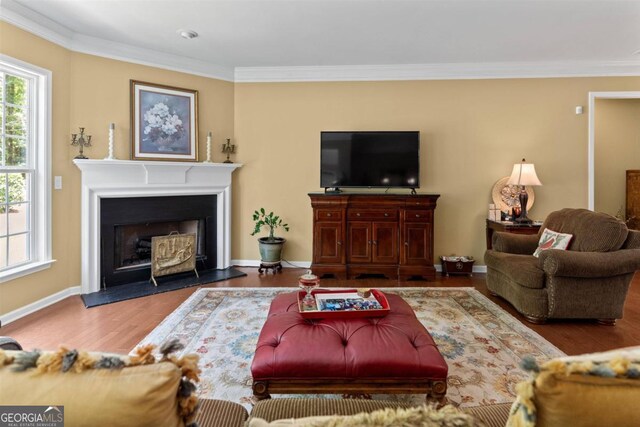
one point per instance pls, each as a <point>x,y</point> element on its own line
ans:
<point>523,174</point>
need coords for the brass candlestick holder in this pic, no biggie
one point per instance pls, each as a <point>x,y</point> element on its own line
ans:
<point>81,141</point>
<point>228,149</point>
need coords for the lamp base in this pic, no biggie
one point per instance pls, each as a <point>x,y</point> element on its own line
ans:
<point>524,199</point>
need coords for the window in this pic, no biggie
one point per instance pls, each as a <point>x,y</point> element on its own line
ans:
<point>25,243</point>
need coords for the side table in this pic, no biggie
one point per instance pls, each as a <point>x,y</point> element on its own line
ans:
<point>510,227</point>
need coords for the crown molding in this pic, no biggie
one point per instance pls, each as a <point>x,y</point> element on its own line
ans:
<point>124,52</point>
<point>35,23</point>
<point>26,19</point>
<point>453,71</point>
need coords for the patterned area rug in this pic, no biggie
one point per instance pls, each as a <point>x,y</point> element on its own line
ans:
<point>481,343</point>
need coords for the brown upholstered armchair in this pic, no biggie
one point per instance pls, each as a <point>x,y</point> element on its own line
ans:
<point>590,280</point>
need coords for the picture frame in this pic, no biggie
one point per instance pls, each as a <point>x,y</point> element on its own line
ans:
<point>164,122</point>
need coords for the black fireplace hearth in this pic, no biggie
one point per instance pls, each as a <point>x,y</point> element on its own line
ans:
<point>165,284</point>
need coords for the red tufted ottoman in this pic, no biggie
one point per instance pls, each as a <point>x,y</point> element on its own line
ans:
<point>391,354</point>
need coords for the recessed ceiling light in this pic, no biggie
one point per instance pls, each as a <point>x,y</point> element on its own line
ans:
<point>187,34</point>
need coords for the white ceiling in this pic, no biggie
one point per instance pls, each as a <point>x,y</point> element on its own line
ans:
<point>269,33</point>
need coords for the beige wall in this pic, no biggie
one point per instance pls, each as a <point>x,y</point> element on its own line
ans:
<point>617,148</point>
<point>472,132</point>
<point>92,92</point>
<point>19,292</point>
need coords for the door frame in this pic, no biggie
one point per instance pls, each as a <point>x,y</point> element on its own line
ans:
<point>592,136</point>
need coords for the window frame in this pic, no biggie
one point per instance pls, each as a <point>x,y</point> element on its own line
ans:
<point>38,165</point>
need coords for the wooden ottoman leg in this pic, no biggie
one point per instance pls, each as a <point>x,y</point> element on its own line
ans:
<point>261,390</point>
<point>438,393</point>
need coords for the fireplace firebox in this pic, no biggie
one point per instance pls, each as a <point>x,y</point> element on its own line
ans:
<point>128,224</point>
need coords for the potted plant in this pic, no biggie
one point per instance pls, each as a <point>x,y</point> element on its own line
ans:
<point>270,246</point>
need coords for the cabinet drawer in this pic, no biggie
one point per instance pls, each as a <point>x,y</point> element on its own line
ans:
<point>415,215</point>
<point>328,215</point>
<point>420,202</point>
<point>371,214</point>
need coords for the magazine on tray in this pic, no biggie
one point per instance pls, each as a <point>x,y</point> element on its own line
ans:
<point>346,301</point>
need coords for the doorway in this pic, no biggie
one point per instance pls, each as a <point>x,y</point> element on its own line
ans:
<point>614,120</point>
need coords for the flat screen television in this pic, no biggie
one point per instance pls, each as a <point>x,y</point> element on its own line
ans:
<point>370,159</point>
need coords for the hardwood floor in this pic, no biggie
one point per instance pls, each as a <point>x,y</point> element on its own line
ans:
<point>120,326</point>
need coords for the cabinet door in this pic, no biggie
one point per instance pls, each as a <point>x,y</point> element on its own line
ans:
<point>359,234</point>
<point>385,243</point>
<point>416,245</point>
<point>327,243</point>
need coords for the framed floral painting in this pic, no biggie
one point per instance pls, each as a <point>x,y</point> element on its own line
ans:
<point>164,122</point>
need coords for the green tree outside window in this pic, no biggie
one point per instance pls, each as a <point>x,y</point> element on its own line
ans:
<point>13,145</point>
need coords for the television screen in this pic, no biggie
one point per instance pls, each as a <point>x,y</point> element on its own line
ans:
<point>370,159</point>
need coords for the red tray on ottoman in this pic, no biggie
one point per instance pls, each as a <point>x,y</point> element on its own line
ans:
<point>343,314</point>
<point>392,354</point>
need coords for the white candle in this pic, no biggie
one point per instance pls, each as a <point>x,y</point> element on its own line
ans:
<point>209,147</point>
<point>112,128</point>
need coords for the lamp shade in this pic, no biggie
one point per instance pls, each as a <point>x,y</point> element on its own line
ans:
<point>524,174</point>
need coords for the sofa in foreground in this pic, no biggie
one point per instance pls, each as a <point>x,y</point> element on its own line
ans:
<point>221,413</point>
<point>156,390</point>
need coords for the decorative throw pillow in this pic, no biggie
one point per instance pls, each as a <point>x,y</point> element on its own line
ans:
<point>552,240</point>
<point>601,389</point>
<point>424,416</point>
<point>104,389</point>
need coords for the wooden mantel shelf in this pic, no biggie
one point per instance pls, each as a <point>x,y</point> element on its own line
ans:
<point>84,163</point>
<point>155,172</point>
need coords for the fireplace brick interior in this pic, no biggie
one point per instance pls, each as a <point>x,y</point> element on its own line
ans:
<point>128,224</point>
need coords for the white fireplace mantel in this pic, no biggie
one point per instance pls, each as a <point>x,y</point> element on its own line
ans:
<point>128,178</point>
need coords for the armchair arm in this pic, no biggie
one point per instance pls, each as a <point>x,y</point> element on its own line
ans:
<point>7,343</point>
<point>555,262</point>
<point>633,240</point>
<point>522,244</point>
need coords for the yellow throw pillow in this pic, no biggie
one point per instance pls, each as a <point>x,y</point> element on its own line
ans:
<point>601,389</point>
<point>424,416</point>
<point>102,390</point>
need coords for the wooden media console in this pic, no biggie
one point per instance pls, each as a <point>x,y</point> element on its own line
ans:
<point>367,233</point>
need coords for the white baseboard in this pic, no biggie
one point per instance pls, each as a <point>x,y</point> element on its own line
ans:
<point>256,263</point>
<point>479,268</point>
<point>18,313</point>
<point>307,264</point>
